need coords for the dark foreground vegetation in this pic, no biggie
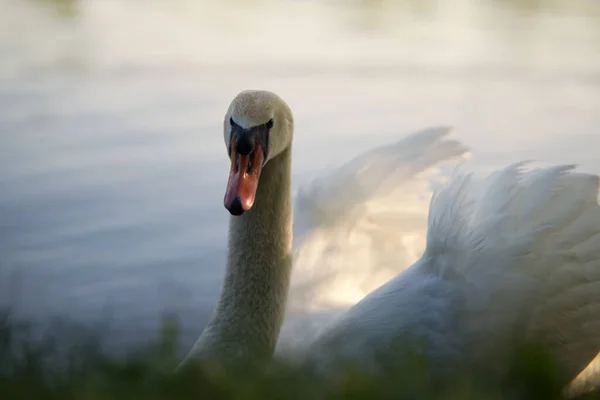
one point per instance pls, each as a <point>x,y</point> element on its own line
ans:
<point>44,368</point>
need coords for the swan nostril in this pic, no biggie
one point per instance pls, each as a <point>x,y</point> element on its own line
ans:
<point>249,168</point>
<point>235,208</point>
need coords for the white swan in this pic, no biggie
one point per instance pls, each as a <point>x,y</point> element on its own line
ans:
<point>514,257</point>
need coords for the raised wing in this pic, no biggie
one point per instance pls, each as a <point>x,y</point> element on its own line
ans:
<point>359,225</point>
<point>524,250</point>
<point>511,258</point>
<point>362,223</point>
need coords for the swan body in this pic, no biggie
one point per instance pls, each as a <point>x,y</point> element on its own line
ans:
<point>512,257</point>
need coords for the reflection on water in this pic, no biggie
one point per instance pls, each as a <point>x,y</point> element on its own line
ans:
<point>112,168</point>
<point>62,8</point>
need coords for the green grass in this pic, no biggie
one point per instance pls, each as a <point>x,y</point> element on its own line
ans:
<point>43,368</point>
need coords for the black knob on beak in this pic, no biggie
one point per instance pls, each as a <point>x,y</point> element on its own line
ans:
<point>244,143</point>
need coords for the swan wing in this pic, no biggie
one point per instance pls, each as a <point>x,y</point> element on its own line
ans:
<point>524,247</point>
<point>513,257</point>
<point>358,225</point>
<point>346,222</point>
<point>342,192</point>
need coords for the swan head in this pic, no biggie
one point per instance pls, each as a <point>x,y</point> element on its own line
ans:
<point>258,126</point>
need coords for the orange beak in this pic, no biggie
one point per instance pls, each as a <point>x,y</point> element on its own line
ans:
<point>243,180</point>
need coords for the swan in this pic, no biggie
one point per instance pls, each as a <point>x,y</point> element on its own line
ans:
<point>513,256</point>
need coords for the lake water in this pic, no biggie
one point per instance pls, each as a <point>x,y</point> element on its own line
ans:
<point>112,165</point>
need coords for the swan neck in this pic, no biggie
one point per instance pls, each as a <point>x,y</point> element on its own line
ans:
<point>251,308</point>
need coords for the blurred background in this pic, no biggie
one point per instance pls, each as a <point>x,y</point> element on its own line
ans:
<point>112,162</point>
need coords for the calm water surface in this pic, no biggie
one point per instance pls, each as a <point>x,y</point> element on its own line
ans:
<point>112,165</point>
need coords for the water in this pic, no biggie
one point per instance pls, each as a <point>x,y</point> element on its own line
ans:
<point>112,165</point>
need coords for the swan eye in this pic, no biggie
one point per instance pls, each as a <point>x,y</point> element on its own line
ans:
<point>270,124</point>
<point>231,121</point>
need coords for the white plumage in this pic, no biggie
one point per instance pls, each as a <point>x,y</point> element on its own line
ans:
<point>357,226</point>
<point>512,257</point>
<point>509,258</point>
